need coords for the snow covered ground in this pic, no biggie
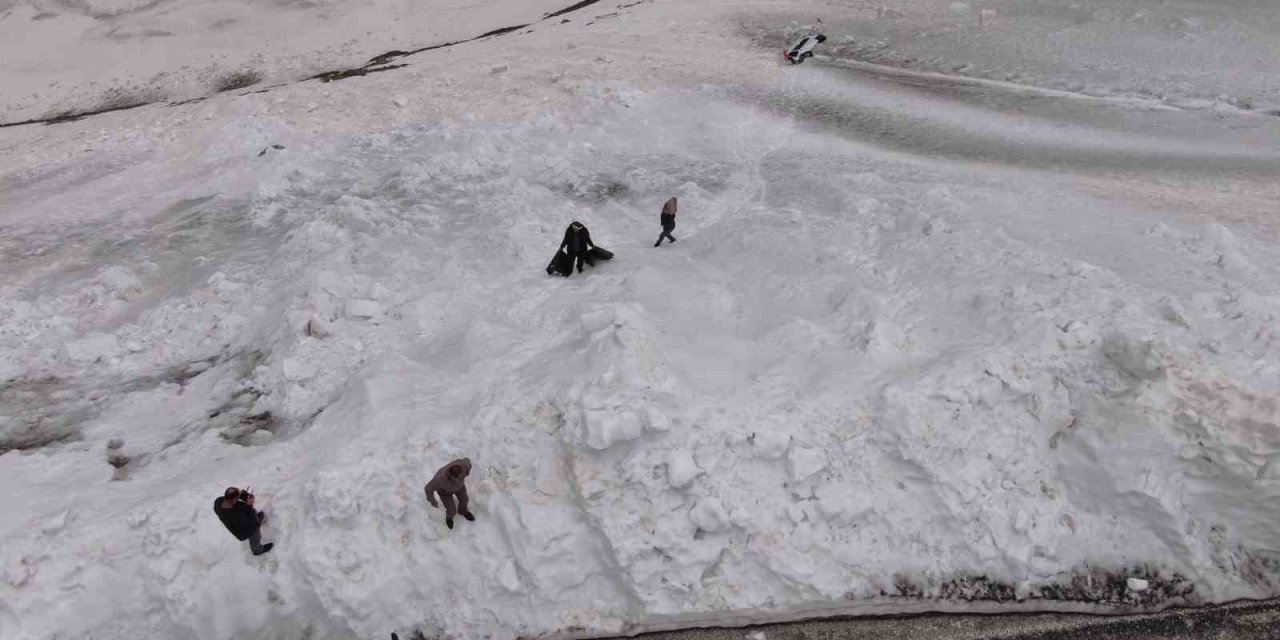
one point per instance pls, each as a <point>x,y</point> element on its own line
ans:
<point>922,340</point>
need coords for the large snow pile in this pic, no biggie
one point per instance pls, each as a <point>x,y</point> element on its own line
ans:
<point>860,376</point>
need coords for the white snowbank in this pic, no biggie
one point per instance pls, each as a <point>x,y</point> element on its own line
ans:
<point>855,367</point>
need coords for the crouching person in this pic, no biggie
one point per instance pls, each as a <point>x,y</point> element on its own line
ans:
<point>235,510</point>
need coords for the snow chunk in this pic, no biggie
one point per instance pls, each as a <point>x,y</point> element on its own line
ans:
<point>118,278</point>
<point>681,468</point>
<point>658,420</point>
<point>607,427</point>
<point>1172,311</point>
<point>804,462</point>
<point>298,369</point>
<point>1222,240</point>
<point>1138,358</point>
<point>363,309</point>
<point>261,437</point>
<point>223,285</point>
<point>958,8</point>
<point>709,516</point>
<point>318,328</point>
<point>1136,584</point>
<point>508,577</point>
<point>880,337</point>
<point>770,445</point>
<point>93,347</point>
<point>843,504</point>
<point>594,321</point>
<point>55,523</point>
<point>1021,522</point>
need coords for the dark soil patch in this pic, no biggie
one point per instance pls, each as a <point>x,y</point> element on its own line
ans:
<point>72,116</point>
<point>1092,585</point>
<point>330,76</point>
<point>570,9</point>
<point>237,80</point>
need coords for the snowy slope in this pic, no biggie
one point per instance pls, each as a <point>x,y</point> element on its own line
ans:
<point>63,56</point>
<point>910,344</point>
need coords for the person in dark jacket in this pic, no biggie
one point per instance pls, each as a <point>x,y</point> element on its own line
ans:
<point>235,510</point>
<point>577,241</point>
<point>668,219</point>
<point>450,483</point>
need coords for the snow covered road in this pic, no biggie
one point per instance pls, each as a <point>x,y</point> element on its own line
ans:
<point>975,347</point>
<point>928,114</point>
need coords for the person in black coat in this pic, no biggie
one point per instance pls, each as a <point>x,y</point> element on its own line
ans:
<point>235,510</point>
<point>577,242</point>
<point>668,220</point>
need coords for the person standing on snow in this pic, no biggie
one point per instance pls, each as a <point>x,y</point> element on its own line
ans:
<point>803,49</point>
<point>668,219</point>
<point>235,510</point>
<point>450,483</point>
<point>577,241</point>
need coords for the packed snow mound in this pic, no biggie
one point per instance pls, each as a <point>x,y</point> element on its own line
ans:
<point>846,377</point>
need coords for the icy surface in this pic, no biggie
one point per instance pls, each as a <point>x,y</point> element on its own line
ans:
<point>906,343</point>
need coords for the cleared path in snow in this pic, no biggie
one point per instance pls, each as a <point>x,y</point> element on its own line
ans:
<point>931,114</point>
<point>1234,621</point>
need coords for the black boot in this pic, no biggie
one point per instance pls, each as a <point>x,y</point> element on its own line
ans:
<point>265,548</point>
<point>448,522</point>
<point>468,515</point>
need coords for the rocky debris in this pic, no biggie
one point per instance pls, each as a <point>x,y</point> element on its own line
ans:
<point>1136,587</point>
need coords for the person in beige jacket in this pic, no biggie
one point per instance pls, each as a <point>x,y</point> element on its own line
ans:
<point>450,483</point>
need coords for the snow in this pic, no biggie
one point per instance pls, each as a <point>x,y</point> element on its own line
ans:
<point>681,468</point>
<point>916,330</point>
<point>708,515</point>
<point>363,309</point>
<point>93,347</point>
